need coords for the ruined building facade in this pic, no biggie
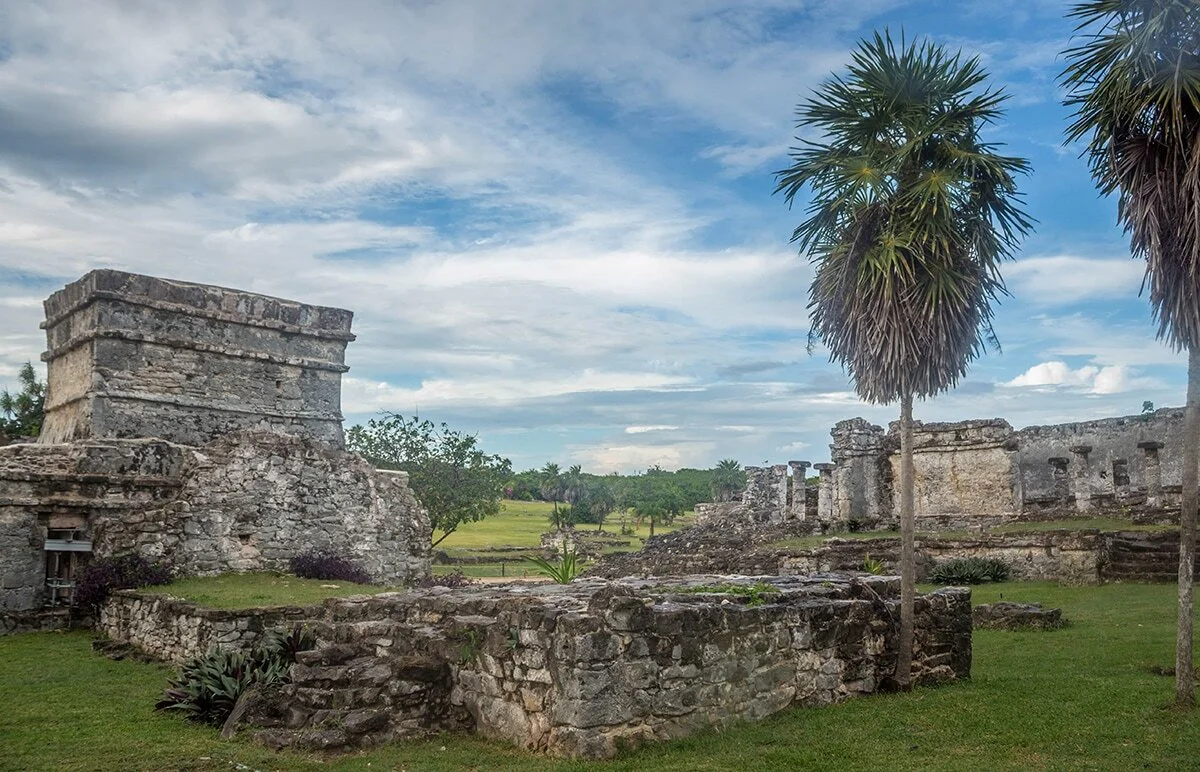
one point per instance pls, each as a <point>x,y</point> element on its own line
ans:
<point>974,474</point>
<point>199,425</point>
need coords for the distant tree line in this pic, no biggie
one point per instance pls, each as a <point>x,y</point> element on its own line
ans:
<point>459,483</point>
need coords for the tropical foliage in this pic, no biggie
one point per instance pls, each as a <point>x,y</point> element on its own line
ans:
<point>911,213</point>
<point>455,480</point>
<point>1134,81</point>
<point>22,412</point>
<point>563,569</point>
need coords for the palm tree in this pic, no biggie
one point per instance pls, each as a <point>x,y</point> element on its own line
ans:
<point>728,479</point>
<point>552,485</point>
<point>1134,82</point>
<point>22,413</point>
<point>911,214</point>
<point>574,485</point>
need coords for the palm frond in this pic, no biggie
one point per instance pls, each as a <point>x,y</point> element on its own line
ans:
<point>910,215</point>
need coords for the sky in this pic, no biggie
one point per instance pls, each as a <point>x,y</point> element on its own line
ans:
<point>553,219</point>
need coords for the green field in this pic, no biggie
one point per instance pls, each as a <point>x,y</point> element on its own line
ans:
<point>1085,697</point>
<point>497,546</point>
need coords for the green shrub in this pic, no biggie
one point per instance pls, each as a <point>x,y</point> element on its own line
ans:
<point>206,688</point>
<point>872,565</point>
<point>969,571</point>
<point>563,570</point>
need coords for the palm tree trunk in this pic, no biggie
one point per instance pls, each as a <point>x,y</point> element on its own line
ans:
<point>1185,677</point>
<point>908,577</point>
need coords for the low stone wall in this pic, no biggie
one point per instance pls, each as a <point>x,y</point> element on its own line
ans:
<point>1070,557</point>
<point>175,630</point>
<point>36,621</point>
<point>576,670</point>
<point>249,501</point>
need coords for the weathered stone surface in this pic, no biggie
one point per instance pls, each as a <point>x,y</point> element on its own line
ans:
<point>199,425</point>
<point>137,356</point>
<point>1017,616</point>
<point>1070,557</point>
<point>581,670</point>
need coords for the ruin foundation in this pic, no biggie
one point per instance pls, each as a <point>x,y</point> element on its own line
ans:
<point>577,670</point>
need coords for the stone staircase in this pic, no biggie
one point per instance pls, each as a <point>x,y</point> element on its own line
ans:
<point>1134,556</point>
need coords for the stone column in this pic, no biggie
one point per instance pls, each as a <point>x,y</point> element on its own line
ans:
<point>825,513</point>
<point>799,487</point>
<point>778,501</point>
<point>1081,479</point>
<point>1062,483</point>
<point>1153,473</point>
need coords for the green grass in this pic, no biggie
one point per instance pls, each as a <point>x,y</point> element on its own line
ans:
<point>252,590</point>
<point>522,523</point>
<point>1084,697</point>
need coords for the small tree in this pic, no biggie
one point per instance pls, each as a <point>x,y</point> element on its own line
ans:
<point>656,497</point>
<point>25,410</point>
<point>457,482</point>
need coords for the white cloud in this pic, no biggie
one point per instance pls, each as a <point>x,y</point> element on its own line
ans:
<point>647,429</point>
<point>1064,279</point>
<point>1111,379</point>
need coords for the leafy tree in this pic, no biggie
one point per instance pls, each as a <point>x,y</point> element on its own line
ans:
<point>654,495</point>
<point>911,214</point>
<point>25,410</point>
<point>456,481</point>
<point>1134,82</point>
<point>596,503</point>
<point>728,480</point>
<point>525,486</point>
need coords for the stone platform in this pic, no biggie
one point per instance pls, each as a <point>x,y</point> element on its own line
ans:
<point>585,669</point>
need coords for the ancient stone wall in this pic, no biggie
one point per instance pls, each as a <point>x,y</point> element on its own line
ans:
<point>175,630</point>
<point>197,424</point>
<point>974,474</point>
<point>585,669</point>
<point>246,502</point>
<point>1115,464</point>
<point>137,356</point>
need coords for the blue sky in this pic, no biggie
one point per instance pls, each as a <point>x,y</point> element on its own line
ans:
<point>552,218</point>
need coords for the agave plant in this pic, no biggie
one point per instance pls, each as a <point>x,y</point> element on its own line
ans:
<point>562,570</point>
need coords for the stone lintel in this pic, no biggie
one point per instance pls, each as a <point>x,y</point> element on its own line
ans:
<point>1058,461</point>
<point>823,467</point>
<point>1081,450</point>
<point>1151,445</point>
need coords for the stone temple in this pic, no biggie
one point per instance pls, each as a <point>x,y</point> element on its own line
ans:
<point>196,424</point>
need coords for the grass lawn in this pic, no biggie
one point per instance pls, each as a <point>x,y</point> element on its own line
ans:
<point>522,523</point>
<point>1084,697</point>
<point>252,590</point>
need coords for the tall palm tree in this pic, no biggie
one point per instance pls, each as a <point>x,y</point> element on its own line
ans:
<point>728,479</point>
<point>1134,82</point>
<point>552,485</point>
<point>911,214</point>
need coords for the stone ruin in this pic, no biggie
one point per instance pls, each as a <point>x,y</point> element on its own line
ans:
<point>202,426</point>
<point>578,670</point>
<point>199,425</point>
<point>971,475</point>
